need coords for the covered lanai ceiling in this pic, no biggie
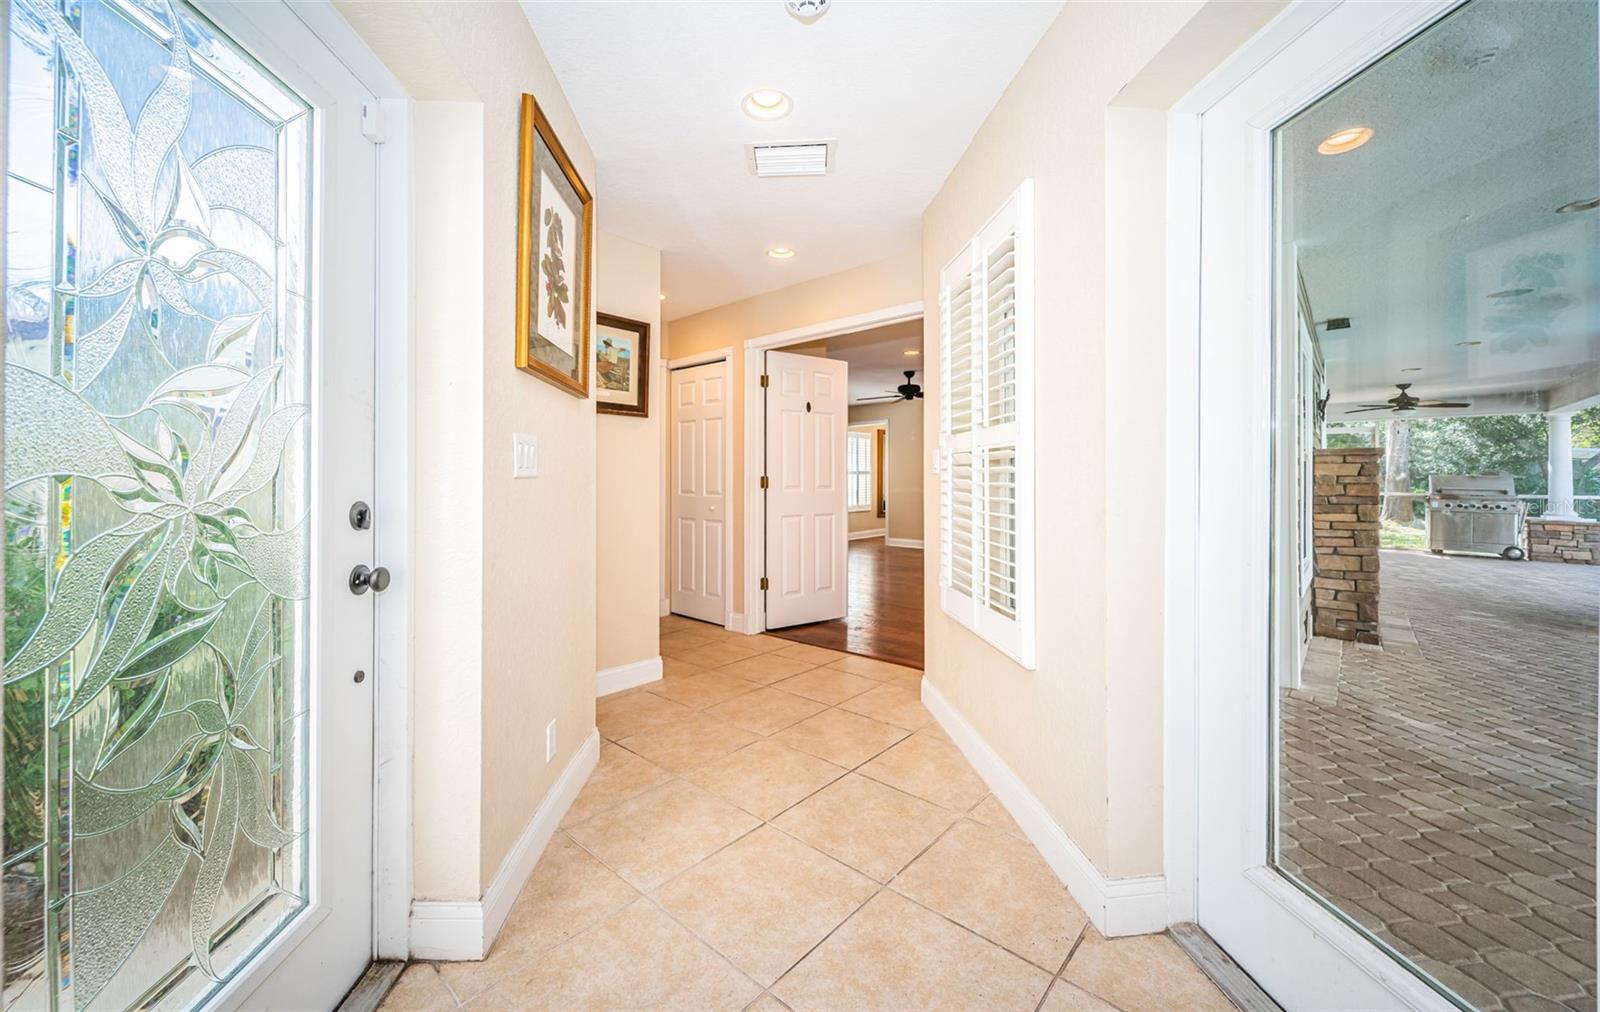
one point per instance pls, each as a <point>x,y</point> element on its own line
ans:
<point>901,88</point>
<point>1439,239</point>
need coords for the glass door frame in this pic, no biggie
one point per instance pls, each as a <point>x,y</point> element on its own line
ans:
<point>1221,475</point>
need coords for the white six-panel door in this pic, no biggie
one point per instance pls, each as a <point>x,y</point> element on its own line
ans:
<point>807,413</point>
<point>700,492</point>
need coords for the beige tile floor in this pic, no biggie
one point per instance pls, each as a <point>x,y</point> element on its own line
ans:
<point>779,826</point>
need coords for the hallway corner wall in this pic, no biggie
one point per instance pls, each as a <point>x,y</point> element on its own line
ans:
<point>517,649</point>
<point>628,472</point>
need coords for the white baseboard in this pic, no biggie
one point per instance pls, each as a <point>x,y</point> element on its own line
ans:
<point>666,606</point>
<point>1117,906</point>
<point>626,676</point>
<point>739,622</point>
<point>864,535</point>
<point>466,930</point>
<point>904,543</point>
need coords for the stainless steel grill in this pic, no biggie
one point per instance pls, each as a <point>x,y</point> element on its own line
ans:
<point>1475,513</point>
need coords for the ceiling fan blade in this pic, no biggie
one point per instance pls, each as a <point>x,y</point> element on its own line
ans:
<point>1446,404</point>
<point>1376,407</point>
<point>920,393</point>
<point>886,397</point>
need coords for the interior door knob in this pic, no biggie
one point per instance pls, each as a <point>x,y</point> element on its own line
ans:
<point>361,578</point>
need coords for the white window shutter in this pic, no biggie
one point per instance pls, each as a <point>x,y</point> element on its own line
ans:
<point>987,431</point>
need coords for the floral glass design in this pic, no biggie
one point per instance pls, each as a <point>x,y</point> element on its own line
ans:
<point>157,490</point>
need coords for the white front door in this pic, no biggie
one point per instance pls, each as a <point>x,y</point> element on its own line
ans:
<point>700,492</point>
<point>189,417</point>
<point>1298,943</point>
<point>807,416</point>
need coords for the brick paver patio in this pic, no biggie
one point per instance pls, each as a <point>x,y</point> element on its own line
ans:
<point>1444,796</point>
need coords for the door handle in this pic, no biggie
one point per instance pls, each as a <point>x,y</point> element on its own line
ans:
<point>362,578</point>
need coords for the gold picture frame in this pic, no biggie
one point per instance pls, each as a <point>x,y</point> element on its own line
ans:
<point>553,319</point>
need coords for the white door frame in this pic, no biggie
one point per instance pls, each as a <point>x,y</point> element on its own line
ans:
<point>755,437</point>
<point>725,356</point>
<point>1182,815</point>
<point>392,494</point>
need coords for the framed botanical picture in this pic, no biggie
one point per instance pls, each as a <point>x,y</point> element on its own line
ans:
<point>555,247</point>
<point>621,366</point>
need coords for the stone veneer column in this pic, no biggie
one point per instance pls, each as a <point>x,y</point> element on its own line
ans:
<point>1345,505</point>
<point>1576,541</point>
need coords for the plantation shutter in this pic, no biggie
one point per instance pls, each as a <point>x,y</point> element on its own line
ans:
<point>986,437</point>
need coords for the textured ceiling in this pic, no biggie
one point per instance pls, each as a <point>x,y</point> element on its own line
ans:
<point>902,87</point>
<point>1483,126</point>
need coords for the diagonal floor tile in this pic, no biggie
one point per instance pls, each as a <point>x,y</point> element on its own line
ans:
<point>675,643</point>
<point>1064,997</point>
<point>807,652</point>
<point>998,886</point>
<point>766,711</point>
<point>874,829</point>
<point>688,742</point>
<point>766,644</point>
<point>662,832</point>
<point>715,655</point>
<point>419,989</point>
<point>992,813</point>
<point>826,685</point>
<point>931,770</point>
<point>702,690</point>
<point>896,704</point>
<point>671,667</point>
<point>871,667</point>
<point>844,739</point>
<point>637,958</point>
<point>619,776</point>
<point>765,901</point>
<point>766,668</point>
<point>628,713</point>
<point>1142,972</point>
<point>568,892</point>
<point>765,778</point>
<point>895,955</point>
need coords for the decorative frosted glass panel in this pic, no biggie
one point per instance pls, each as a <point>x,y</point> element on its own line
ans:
<point>156,506</point>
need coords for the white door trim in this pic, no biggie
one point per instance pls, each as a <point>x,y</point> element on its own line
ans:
<point>754,615</point>
<point>1182,607</point>
<point>392,498</point>
<point>724,355</point>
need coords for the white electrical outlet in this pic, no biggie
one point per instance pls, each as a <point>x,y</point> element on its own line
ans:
<point>524,456</point>
<point>550,741</point>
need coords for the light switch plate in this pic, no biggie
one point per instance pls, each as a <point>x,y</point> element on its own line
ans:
<point>550,741</point>
<point>524,456</point>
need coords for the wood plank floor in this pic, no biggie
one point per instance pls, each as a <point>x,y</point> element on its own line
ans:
<point>884,617</point>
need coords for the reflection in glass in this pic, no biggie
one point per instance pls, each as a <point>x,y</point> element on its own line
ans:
<point>156,506</point>
<point>1437,455</point>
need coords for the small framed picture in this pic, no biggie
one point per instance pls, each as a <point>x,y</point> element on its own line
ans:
<point>555,247</point>
<point>621,366</point>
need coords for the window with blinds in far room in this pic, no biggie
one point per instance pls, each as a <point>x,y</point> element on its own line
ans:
<point>859,467</point>
<point>986,457</point>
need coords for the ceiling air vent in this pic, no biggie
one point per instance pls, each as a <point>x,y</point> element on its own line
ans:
<point>790,158</point>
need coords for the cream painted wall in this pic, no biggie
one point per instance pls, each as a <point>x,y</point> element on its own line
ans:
<point>906,463</point>
<point>526,654</point>
<point>1083,731</point>
<point>892,282</point>
<point>628,472</point>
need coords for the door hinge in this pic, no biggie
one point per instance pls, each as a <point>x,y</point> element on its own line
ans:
<point>763,583</point>
<point>763,481</point>
<point>764,379</point>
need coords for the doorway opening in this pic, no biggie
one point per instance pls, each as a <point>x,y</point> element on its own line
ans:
<point>878,610</point>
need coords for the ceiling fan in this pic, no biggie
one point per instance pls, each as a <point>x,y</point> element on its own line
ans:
<point>907,391</point>
<point>1405,402</point>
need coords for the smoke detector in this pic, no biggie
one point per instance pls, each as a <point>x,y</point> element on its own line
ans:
<point>806,11</point>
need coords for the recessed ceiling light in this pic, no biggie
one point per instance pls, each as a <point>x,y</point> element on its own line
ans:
<point>767,103</point>
<point>1507,293</point>
<point>781,253</point>
<point>912,353</point>
<point>1579,205</point>
<point>1468,344</point>
<point>1348,139</point>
